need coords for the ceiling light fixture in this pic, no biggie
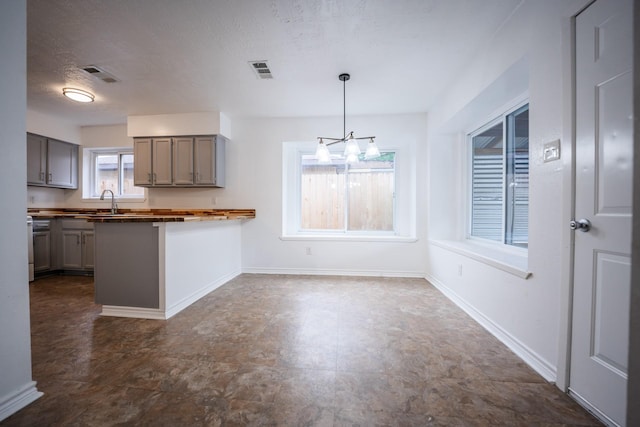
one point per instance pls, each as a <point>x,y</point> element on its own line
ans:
<point>352,149</point>
<point>78,94</point>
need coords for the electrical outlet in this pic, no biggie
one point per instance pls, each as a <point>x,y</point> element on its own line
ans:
<point>214,201</point>
<point>307,250</point>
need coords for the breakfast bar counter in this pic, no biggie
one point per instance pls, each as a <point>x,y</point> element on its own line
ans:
<point>152,264</point>
<point>146,215</point>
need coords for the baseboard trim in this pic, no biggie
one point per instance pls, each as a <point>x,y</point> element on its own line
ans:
<point>160,314</point>
<point>187,301</point>
<point>530,357</point>
<point>592,409</point>
<point>335,272</point>
<point>133,312</point>
<point>18,400</point>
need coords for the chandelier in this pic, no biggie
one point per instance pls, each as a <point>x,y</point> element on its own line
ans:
<point>352,149</point>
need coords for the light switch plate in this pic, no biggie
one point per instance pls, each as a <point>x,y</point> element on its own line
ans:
<point>551,151</point>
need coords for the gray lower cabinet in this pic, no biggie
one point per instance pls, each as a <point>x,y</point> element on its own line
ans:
<point>51,163</point>
<point>78,247</point>
<point>41,251</point>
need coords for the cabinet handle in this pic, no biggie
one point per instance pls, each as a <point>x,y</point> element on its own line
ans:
<point>50,177</point>
<point>77,240</point>
<point>41,176</point>
<point>154,178</point>
<point>83,239</point>
<point>149,177</point>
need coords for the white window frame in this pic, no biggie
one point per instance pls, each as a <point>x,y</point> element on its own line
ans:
<point>404,213</point>
<point>90,157</point>
<point>501,118</point>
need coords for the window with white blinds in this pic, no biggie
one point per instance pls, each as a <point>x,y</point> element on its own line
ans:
<point>500,179</point>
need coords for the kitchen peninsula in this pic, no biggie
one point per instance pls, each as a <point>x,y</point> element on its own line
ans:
<point>154,263</point>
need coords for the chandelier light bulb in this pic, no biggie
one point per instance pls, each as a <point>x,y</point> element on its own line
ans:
<point>372,150</point>
<point>322,153</point>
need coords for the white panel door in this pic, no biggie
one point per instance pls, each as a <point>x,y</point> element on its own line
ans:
<point>604,157</point>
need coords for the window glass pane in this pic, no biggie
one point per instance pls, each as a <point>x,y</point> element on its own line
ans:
<point>517,224</point>
<point>128,189</point>
<point>487,187</point>
<point>348,196</point>
<point>106,177</point>
<point>322,195</point>
<point>371,188</point>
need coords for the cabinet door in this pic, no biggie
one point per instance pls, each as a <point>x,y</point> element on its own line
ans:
<point>41,250</point>
<point>87,250</point>
<point>183,161</point>
<point>62,164</point>
<point>205,160</point>
<point>162,161</point>
<point>36,159</point>
<point>142,162</point>
<point>71,249</point>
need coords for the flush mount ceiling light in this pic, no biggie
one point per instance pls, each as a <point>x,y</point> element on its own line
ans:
<point>352,149</point>
<point>78,94</point>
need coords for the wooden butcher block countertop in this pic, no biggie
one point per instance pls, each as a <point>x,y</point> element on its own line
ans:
<point>145,215</point>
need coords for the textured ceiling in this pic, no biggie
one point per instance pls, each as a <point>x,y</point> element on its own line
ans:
<point>177,56</point>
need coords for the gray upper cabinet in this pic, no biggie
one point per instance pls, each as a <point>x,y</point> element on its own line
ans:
<point>152,164</point>
<point>209,154</point>
<point>62,164</point>
<point>185,161</point>
<point>161,165</point>
<point>142,171</point>
<point>36,159</point>
<point>51,163</point>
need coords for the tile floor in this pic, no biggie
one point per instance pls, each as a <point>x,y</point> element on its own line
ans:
<point>281,350</point>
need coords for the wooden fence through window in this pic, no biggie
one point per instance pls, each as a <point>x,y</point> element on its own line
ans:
<point>370,199</point>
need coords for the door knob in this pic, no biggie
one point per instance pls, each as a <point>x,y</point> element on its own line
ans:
<point>583,225</point>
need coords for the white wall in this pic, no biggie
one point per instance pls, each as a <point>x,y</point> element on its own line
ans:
<point>191,273</point>
<point>254,180</point>
<point>256,177</point>
<point>16,387</point>
<point>527,313</point>
<point>52,126</point>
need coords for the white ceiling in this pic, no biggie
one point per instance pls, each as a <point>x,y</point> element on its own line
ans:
<point>177,56</point>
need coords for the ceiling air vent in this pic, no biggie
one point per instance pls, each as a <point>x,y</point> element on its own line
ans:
<point>261,68</point>
<point>99,73</point>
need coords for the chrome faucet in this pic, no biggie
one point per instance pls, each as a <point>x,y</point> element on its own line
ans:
<point>114,207</point>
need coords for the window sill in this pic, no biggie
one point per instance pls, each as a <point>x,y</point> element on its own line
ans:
<point>118,200</point>
<point>350,238</point>
<point>501,258</point>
